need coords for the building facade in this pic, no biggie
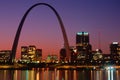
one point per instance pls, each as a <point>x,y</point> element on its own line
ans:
<point>83,46</point>
<point>73,54</point>
<point>5,56</point>
<point>115,50</point>
<point>31,53</point>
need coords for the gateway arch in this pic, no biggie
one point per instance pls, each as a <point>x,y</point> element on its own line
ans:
<point>16,39</point>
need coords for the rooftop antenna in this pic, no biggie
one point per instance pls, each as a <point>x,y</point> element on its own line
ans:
<point>99,41</point>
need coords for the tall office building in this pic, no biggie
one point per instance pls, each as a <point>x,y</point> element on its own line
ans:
<point>30,53</point>
<point>32,49</point>
<point>83,46</point>
<point>24,52</point>
<point>115,50</point>
<point>82,38</point>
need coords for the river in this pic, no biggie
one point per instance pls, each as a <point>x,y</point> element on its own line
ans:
<point>47,74</point>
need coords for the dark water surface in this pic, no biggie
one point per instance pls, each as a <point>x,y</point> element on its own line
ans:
<point>47,74</point>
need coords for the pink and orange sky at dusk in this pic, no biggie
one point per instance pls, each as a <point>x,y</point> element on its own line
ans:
<point>41,28</point>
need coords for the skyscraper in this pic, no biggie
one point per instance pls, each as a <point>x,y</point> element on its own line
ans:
<point>115,50</point>
<point>30,53</point>
<point>82,38</point>
<point>24,52</point>
<point>83,46</point>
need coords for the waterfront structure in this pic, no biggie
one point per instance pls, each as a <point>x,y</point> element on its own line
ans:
<point>83,46</point>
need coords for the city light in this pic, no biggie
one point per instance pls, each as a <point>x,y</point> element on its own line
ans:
<point>109,68</point>
<point>81,55</point>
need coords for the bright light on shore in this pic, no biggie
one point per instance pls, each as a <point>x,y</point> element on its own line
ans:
<point>109,68</point>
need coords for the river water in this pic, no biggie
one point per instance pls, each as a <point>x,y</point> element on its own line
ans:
<point>47,74</point>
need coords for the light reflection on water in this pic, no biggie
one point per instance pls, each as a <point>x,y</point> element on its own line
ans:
<point>47,74</point>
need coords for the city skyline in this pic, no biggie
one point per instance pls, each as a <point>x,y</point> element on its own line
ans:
<point>96,18</point>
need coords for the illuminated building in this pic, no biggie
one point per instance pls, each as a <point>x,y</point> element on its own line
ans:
<point>82,38</point>
<point>31,50</point>
<point>115,50</point>
<point>5,55</point>
<point>73,53</point>
<point>24,52</point>
<point>52,58</point>
<point>83,46</point>
<point>97,55</point>
<point>30,53</point>
<point>106,57</point>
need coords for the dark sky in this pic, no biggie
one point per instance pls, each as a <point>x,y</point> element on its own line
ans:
<point>100,18</point>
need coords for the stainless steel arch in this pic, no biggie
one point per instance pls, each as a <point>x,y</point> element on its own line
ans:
<point>16,39</point>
